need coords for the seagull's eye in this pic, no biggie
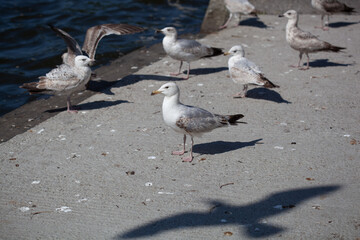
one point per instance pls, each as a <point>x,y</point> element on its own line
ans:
<point>167,87</point>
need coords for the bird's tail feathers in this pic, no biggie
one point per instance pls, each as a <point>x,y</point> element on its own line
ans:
<point>348,9</point>
<point>335,48</point>
<point>216,52</point>
<point>32,87</point>
<point>232,119</point>
<point>268,83</point>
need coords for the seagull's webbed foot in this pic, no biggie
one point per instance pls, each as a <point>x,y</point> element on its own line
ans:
<point>179,153</point>
<point>175,74</point>
<point>239,95</point>
<point>323,28</point>
<point>304,68</point>
<point>187,159</point>
<point>294,66</point>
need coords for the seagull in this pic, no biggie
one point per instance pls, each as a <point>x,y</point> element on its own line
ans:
<point>185,49</point>
<point>245,72</point>
<point>238,7</point>
<point>64,78</point>
<point>189,120</point>
<point>327,7</point>
<point>302,41</point>
<point>92,39</point>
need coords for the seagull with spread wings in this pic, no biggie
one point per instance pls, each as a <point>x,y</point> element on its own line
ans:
<point>92,39</point>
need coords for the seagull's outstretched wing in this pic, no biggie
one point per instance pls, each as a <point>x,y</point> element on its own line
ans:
<point>96,33</point>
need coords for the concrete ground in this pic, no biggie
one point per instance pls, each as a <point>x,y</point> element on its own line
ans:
<point>291,172</point>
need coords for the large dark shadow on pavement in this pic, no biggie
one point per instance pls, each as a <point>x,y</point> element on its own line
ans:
<point>319,63</point>
<point>341,24</point>
<point>266,94</point>
<point>90,106</point>
<point>221,146</point>
<point>248,217</point>
<point>206,71</point>
<point>253,22</point>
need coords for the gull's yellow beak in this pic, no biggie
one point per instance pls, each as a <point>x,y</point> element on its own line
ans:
<point>155,92</point>
<point>227,53</point>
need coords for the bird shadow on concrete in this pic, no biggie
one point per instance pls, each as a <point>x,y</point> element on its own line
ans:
<point>101,86</point>
<point>206,71</point>
<point>218,147</point>
<point>249,217</point>
<point>90,105</point>
<point>134,78</point>
<point>341,24</point>
<point>253,22</point>
<point>319,63</point>
<point>266,94</point>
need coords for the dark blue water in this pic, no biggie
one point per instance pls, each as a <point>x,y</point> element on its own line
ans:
<point>30,49</point>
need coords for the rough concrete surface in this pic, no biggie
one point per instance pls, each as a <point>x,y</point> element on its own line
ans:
<point>291,172</point>
<point>217,14</point>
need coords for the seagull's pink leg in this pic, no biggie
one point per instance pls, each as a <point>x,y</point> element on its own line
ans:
<point>189,158</point>
<point>298,66</point>
<point>188,72</point>
<point>180,152</point>
<point>241,94</point>
<point>176,74</point>
<point>69,107</point>
<point>227,22</point>
<point>322,23</point>
<point>307,65</point>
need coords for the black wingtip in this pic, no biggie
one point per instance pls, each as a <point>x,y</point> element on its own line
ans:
<point>233,118</point>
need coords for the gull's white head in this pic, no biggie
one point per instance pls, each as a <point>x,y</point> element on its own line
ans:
<point>168,89</point>
<point>236,50</point>
<point>83,61</point>
<point>291,14</point>
<point>168,31</point>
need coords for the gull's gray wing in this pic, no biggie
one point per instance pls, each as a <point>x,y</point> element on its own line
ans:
<point>332,6</point>
<point>96,33</point>
<point>59,79</point>
<point>193,47</point>
<point>72,45</point>
<point>197,120</point>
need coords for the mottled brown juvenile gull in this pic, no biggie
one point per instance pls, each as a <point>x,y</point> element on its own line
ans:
<point>92,39</point>
<point>327,7</point>
<point>302,41</point>
<point>185,49</point>
<point>238,7</point>
<point>189,120</point>
<point>245,72</point>
<point>64,78</point>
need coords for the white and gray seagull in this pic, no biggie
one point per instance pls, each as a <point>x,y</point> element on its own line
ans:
<point>245,72</point>
<point>185,50</point>
<point>189,120</point>
<point>92,39</point>
<point>328,7</point>
<point>63,79</point>
<point>302,41</point>
<point>238,7</point>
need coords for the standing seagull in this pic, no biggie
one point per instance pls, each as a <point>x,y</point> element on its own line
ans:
<point>92,39</point>
<point>185,49</point>
<point>189,120</point>
<point>64,78</point>
<point>327,7</point>
<point>302,41</point>
<point>245,72</point>
<point>238,7</point>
